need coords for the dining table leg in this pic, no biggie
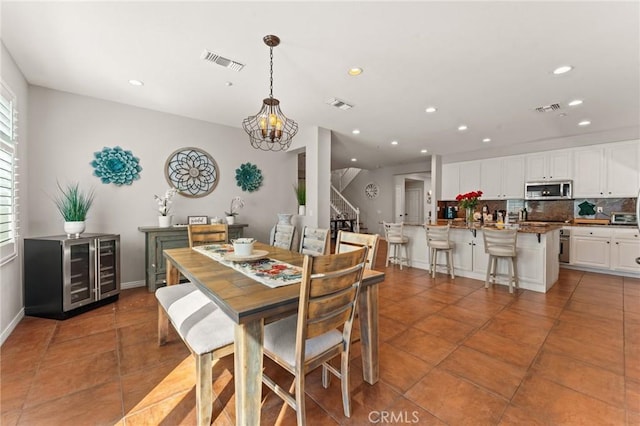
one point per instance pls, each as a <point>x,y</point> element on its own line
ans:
<point>172,273</point>
<point>368,314</point>
<point>248,371</point>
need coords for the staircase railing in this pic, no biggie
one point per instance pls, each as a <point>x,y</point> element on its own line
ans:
<point>341,207</point>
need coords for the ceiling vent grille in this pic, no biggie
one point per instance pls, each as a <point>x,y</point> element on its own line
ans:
<point>224,62</point>
<point>548,108</point>
<point>337,103</point>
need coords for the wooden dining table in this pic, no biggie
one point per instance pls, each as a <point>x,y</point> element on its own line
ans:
<point>251,304</point>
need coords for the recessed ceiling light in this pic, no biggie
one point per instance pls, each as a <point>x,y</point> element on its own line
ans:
<point>575,102</point>
<point>394,142</point>
<point>485,140</point>
<point>356,131</point>
<point>431,109</point>
<point>355,71</point>
<point>584,123</point>
<point>136,83</point>
<point>423,151</point>
<point>563,69</point>
<point>354,160</point>
<point>462,127</point>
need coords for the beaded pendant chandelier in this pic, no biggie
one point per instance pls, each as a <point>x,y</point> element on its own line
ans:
<point>270,129</point>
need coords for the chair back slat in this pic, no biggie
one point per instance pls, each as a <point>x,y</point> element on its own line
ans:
<point>207,234</point>
<point>437,234</point>
<point>393,231</point>
<point>329,292</point>
<point>349,241</point>
<point>503,240</point>
<point>314,241</point>
<point>283,236</point>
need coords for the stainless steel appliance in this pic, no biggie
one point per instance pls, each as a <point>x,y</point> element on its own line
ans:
<point>557,190</point>
<point>623,218</point>
<point>66,276</point>
<point>565,245</point>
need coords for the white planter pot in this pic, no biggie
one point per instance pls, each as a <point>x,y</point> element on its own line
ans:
<point>302,210</point>
<point>231,220</point>
<point>164,221</point>
<point>74,229</point>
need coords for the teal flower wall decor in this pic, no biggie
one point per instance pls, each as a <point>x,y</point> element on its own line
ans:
<point>249,177</point>
<point>117,166</point>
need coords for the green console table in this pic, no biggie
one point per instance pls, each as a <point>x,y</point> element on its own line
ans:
<point>158,239</point>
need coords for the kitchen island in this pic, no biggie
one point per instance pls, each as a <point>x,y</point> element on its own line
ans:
<point>538,246</point>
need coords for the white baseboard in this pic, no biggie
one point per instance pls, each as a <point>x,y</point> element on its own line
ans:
<point>133,284</point>
<point>12,325</point>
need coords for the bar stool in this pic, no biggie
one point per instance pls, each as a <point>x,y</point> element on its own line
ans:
<point>438,241</point>
<point>501,244</point>
<point>396,240</point>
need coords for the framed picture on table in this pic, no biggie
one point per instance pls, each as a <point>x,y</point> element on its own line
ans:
<point>198,220</point>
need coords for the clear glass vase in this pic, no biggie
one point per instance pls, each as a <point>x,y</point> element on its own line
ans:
<point>469,216</point>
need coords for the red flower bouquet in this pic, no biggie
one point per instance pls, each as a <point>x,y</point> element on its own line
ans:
<point>469,200</point>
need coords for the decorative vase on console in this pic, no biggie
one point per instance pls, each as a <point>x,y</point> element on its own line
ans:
<point>468,202</point>
<point>164,206</point>
<point>236,204</point>
<point>73,205</point>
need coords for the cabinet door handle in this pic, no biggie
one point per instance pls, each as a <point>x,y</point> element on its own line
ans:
<point>617,242</point>
<point>607,242</point>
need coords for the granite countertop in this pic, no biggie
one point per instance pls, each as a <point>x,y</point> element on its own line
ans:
<point>525,228</point>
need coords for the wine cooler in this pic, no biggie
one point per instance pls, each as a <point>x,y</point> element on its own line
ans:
<point>66,276</point>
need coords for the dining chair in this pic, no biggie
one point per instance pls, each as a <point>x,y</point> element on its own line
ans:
<point>438,241</point>
<point>349,241</point>
<point>283,236</point>
<point>314,241</point>
<point>396,243</point>
<point>322,328</point>
<point>206,330</point>
<point>501,244</point>
<point>208,234</point>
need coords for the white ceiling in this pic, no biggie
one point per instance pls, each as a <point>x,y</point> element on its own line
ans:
<point>485,64</point>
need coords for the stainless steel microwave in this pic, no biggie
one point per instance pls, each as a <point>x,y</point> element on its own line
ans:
<point>550,190</point>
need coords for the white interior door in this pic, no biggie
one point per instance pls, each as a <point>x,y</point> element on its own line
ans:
<point>414,207</point>
<point>399,204</point>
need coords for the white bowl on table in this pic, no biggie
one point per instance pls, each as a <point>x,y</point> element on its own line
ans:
<point>243,246</point>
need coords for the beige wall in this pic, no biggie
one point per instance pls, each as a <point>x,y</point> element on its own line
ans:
<point>67,129</point>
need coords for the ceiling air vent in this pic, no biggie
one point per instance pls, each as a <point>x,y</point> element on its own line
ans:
<point>335,102</point>
<point>224,62</point>
<point>548,108</point>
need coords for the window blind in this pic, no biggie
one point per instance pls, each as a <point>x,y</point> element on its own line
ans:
<point>8,192</point>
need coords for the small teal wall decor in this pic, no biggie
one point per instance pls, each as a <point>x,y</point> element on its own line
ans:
<point>249,177</point>
<point>117,166</point>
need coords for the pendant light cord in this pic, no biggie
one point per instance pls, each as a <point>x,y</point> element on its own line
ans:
<point>271,72</point>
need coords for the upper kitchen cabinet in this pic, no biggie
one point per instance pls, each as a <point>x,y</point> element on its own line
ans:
<point>552,165</point>
<point>459,178</point>
<point>611,170</point>
<point>502,178</point>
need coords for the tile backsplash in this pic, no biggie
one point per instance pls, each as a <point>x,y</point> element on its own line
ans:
<point>553,210</point>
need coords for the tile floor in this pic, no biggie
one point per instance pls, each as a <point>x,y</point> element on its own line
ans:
<point>451,352</point>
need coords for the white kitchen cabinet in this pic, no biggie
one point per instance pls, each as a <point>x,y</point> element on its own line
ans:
<point>469,254</point>
<point>551,165</point>
<point>502,178</point>
<point>625,248</point>
<point>605,248</point>
<point>611,170</point>
<point>450,181</point>
<point>459,178</point>
<point>470,176</point>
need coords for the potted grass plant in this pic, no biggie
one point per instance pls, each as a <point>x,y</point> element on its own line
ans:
<point>73,204</point>
<point>301,195</point>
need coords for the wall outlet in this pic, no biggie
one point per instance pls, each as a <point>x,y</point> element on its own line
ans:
<point>598,209</point>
